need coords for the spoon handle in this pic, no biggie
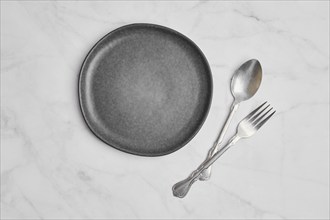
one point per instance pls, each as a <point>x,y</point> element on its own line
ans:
<point>181,188</point>
<point>206,173</point>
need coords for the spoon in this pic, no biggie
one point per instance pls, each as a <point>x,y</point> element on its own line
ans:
<point>244,84</point>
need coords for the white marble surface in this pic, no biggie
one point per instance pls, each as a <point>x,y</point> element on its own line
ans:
<point>52,167</point>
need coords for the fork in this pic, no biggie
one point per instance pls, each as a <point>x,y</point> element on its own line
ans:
<point>246,128</point>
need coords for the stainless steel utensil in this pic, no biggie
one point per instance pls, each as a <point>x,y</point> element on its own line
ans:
<point>244,84</point>
<point>246,128</point>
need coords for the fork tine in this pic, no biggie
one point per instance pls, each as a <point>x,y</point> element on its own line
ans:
<point>254,111</point>
<point>257,115</point>
<point>262,116</point>
<point>264,121</point>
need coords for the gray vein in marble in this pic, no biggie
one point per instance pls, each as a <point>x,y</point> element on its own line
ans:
<point>156,190</point>
<point>258,170</point>
<point>281,112</point>
<point>259,212</point>
<point>32,206</point>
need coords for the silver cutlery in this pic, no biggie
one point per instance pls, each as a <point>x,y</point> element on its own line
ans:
<point>244,84</point>
<point>246,128</point>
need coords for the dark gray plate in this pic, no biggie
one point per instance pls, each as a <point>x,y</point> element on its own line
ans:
<point>145,89</point>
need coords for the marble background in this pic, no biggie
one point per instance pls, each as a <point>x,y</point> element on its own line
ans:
<point>52,167</point>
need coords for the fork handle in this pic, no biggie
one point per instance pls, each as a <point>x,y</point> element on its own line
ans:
<point>181,188</point>
<point>206,173</point>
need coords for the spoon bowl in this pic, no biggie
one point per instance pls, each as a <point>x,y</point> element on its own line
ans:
<point>246,80</point>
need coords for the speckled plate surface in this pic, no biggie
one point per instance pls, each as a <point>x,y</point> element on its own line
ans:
<point>145,89</point>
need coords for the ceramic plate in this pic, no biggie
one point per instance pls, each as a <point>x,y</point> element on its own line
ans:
<point>145,89</point>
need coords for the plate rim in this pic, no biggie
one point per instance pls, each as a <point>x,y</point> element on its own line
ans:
<point>210,97</point>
